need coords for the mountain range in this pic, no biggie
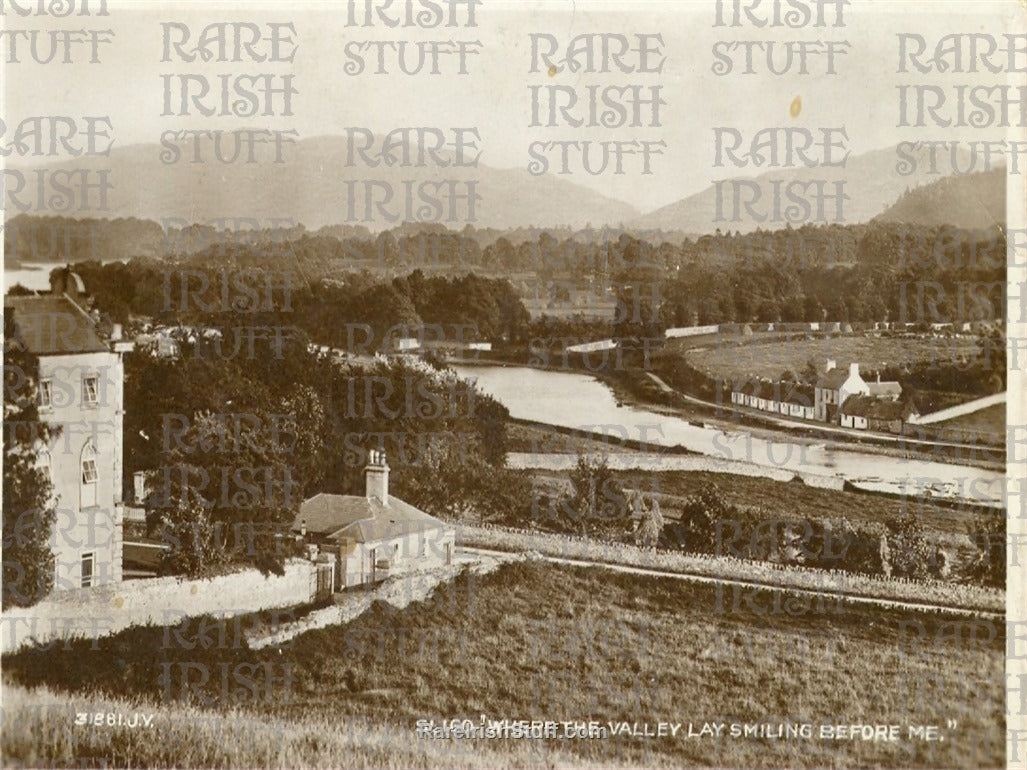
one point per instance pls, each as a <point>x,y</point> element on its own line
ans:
<point>871,182</point>
<point>313,187</point>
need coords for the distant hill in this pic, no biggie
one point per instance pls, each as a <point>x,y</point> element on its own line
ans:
<point>871,183</point>
<point>965,201</point>
<point>310,189</point>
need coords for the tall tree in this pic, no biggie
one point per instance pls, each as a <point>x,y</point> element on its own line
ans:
<point>28,505</point>
<point>598,503</point>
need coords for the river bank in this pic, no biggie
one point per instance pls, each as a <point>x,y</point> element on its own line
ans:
<point>582,403</point>
<point>633,388</point>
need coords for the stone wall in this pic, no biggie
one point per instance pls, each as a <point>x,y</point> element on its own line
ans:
<point>102,610</point>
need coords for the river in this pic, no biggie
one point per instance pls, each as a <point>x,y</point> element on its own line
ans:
<point>31,276</point>
<point>35,275</point>
<point>579,401</point>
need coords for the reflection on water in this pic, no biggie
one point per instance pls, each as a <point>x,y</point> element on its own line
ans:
<point>573,400</point>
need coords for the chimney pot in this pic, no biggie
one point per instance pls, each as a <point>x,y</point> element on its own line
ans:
<point>376,476</point>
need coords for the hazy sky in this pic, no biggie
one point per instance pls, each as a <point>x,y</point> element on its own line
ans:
<point>495,96</point>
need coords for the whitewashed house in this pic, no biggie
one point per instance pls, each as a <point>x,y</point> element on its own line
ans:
<point>375,535</point>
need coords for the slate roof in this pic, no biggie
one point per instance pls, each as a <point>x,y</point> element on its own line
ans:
<point>796,393</point>
<point>787,392</point>
<point>749,388</point>
<point>363,519</point>
<point>833,379</point>
<point>52,324</point>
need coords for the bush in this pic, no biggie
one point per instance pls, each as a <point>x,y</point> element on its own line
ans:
<point>598,504</point>
<point>988,535</point>
<point>910,553</point>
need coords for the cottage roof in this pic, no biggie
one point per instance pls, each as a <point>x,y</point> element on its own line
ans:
<point>885,389</point>
<point>876,408</point>
<point>833,379</point>
<point>364,519</point>
<point>796,393</point>
<point>858,406</point>
<point>748,388</point>
<point>789,392</point>
<point>53,324</point>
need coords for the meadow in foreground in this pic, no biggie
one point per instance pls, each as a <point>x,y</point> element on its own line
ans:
<point>538,641</point>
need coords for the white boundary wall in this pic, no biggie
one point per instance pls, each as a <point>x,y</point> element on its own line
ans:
<point>102,610</point>
<point>690,331</point>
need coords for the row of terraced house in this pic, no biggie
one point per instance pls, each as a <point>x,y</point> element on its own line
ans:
<point>839,396</point>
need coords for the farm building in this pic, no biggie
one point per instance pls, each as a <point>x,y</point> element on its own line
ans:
<point>823,402</point>
<point>404,344</point>
<point>833,387</point>
<point>790,399</point>
<point>376,535</point>
<point>885,390</point>
<point>869,413</point>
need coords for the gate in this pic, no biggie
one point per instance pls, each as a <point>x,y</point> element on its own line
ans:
<point>324,588</point>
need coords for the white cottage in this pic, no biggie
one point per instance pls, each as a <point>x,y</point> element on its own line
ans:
<point>376,535</point>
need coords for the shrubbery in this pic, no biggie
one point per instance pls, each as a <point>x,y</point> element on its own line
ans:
<point>902,548</point>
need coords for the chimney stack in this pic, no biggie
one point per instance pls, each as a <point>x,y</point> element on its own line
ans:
<point>854,370</point>
<point>140,482</point>
<point>830,365</point>
<point>376,476</point>
<point>64,280</point>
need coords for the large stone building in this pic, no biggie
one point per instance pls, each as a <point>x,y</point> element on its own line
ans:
<point>833,387</point>
<point>81,390</point>
<point>376,535</point>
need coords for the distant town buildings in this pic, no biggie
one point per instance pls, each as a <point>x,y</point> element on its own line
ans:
<point>839,396</point>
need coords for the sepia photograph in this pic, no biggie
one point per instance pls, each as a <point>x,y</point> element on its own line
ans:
<point>514,384</point>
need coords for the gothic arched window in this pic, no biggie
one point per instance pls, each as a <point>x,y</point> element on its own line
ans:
<point>90,475</point>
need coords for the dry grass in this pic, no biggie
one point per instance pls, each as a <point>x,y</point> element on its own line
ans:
<point>525,437</point>
<point>989,421</point>
<point>39,731</point>
<point>733,360</point>
<point>833,584</point>
<point>537,641</point>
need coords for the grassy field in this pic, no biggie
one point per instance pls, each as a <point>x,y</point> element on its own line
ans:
<point>947,525</point>
<point>753,357</point>
<point>834,585</point>
<point>536,641</point>
<point>524,437</point>
<point>780,499</point>
<point>39,731</point>
<point>991,420</point>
